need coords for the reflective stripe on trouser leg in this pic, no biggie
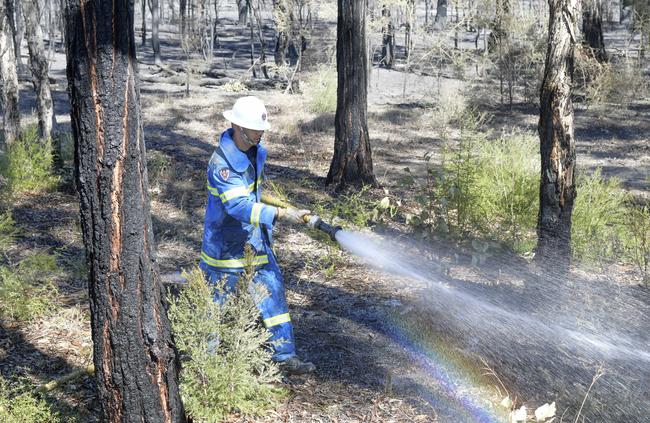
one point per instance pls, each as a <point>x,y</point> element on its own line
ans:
<point>275,311</point>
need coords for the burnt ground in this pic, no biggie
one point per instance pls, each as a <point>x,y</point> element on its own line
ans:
<point>388,348</point>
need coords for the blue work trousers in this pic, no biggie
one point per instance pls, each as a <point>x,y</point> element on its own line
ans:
<point>273,308</point>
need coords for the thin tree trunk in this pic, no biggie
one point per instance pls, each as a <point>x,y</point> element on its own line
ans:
<point>144,22</point>
<point>557,143</point>
<point>284,21</point>
<point>183,13</point>
<point>441,13</point>
<point>155,40</point>
<point>352,160</point>
<point>39,66</point>
<point>255,13</point>
<point>592,28</point>
<point>8,77</point>
<point>18,25</point>
<point>388,39</point>
<point>242,7</point>
<point>135,361</point>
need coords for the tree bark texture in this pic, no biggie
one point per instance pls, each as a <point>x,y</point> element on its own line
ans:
<point>592,28</point>
<point>352,161</point>
<point>39,67</point>
<point>8,76</point>
<point>557,144</point>
<point>134,357</point>
<point>284,21</point>
<point>388,39</point>
<point>155,38</point>
<point>242,7</point>
<point>441,13</point>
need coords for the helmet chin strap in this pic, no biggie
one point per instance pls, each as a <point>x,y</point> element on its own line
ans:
<point>247,139</point>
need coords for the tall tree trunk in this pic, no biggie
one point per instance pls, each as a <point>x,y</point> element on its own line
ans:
<point>592,28</point>
<point>183,13</point>
<point>39,66</point>
<point>8,76</point>
<point>557,144</point>
<point>18,24</point>
<point>242,7</point>
<point>352,160</point>
<point>284,21</point>
<point>144,22</point>
<point>388,39</point>
<point>134,357</point>
<point>441,13</point>
<point>155,40</point>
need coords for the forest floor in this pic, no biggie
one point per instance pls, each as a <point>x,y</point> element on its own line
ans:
<point>386,347</point>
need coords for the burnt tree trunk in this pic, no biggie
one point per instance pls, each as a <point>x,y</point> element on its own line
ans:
<point>557,144</point>
<point>144,22</point>
<point>8,76</point>
<point>388,39</point>
<point>155,39</point>
<point>592,28</point>
<point>183,12</point>
<point>134,356</point>
<point>441,13</point>
<point>242,8</point>
<point>39,67</point>
<point>284,21</point>
<point>352,161</point>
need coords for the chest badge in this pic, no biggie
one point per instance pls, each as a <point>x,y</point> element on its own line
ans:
<point>224,173</point>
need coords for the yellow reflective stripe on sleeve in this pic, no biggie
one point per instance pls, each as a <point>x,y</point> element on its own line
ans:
<point>233,263</point>
<point>212,190</point>
<point>234,193</point>
<point>277,320</point>
<point>255,214</point>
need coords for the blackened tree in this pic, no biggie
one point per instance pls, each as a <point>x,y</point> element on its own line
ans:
<point>135,360</point>
<point>352,161</point>
<point>557,143</point>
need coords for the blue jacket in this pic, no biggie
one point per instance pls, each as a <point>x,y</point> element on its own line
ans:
<point>234,215</point>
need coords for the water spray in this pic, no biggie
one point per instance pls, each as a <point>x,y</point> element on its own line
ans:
<point>312,220</point>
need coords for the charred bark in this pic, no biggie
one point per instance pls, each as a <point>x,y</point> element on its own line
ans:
<point>592,28</point>
<point>388,39</point>
<point>441,13</point>
<point>557,143</point>
<point>8,76</point>
<point>39,67</point>
<point>242,9</point>
<point>134,356</point>
<point>155,39</point>
<point>284,21</point>
<point>352,161</point>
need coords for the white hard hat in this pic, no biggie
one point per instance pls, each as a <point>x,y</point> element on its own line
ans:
<point>250,113</point>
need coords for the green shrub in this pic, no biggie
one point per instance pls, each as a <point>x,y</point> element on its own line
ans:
<point>229,366</point>
<point>23,407</point>
<point>637,241</point>
<point>27,165</point>
<point>507,189</point>
<point>27,290</point>
<point>320,88</point>
<point>7,231</point>
<point>597,230</point>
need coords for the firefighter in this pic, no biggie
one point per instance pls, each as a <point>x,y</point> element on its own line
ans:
<point>235,217</point>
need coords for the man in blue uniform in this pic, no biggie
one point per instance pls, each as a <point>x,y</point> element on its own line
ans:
<point>235,217</point>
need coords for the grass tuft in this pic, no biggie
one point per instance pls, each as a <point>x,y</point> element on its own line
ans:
<point>23,407</point>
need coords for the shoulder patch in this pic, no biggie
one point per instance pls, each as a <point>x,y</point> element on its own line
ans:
<point>224,174</point>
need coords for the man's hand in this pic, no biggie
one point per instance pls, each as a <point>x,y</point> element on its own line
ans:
<point>292,215</point>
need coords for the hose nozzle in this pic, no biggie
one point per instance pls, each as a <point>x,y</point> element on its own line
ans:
<point>316,222</point>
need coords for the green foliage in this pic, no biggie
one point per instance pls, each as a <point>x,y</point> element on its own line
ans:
<point>7,231</point>
<point>230,365</point>
<point>508,188</point>
<point>159,167</point>
<point>27,290</point>
<point>23,407</point>
<point>359,208</point>
<point>637,241</point>
<point>27,165</point>
<point>597,220</point>
<point>319,88</point>
<point>619,83</point>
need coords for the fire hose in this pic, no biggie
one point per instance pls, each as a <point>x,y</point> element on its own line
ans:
<point>312,220</point>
